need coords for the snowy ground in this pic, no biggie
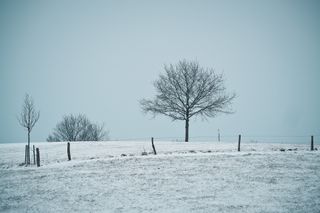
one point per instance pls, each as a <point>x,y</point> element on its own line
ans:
<point>183,177</point>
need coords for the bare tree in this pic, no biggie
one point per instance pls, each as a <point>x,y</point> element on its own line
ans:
<point>28,118</point>
<point>187,90</point>
<point>77,128</point>
<point>93,132</point>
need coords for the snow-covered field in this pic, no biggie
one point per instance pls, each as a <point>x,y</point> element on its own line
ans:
<point>183,177</point>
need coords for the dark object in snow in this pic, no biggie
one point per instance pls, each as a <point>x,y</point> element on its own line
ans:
<point>312,143</point>
<point>144,153</point>
<point>123,155</point>
<point>239,141</point>
<point>192,151</point>
<point>153,147</point>
<point>282,150</point>
<point>316,149</point>
<point>38,157</point>
<point>68,151</point>
<point>289,149</point>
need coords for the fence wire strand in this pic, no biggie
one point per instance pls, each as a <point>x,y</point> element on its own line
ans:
<point>246,138</point>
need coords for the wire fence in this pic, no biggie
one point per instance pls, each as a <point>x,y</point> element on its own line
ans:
<point>245,138</point>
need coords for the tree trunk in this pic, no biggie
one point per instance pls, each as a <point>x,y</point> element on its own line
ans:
<point>186,139</point>
<point>26,155</point>
<point>28,159</point>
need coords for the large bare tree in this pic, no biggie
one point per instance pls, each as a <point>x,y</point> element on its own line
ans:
<point>28,118</point>
<point>187,90</point>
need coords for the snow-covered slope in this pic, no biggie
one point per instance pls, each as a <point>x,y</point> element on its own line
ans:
<point>183,177</point>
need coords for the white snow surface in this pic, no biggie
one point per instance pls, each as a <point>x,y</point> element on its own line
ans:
<point>114,176</point>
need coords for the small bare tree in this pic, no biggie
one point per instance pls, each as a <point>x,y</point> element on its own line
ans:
<point>77,128</point>
<point>28,118</point>
<point>187,90</point>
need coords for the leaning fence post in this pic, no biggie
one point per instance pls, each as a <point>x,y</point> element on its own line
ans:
<point>68,151</point>
<point>34,155</point>
<point>38,157</point>
<point>312,143</point>
<point>153,147</point>
<point>239,141</point>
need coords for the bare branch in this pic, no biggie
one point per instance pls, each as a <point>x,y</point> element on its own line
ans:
<point>28,116</point>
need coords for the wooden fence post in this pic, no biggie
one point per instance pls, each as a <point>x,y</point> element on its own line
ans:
<point>312,148</point>
<point>68,151</point>
<point>239,141</point>
<point>34,155</point>
<point>153,147</point>
<point>26,155</point>
<point>38,157</point>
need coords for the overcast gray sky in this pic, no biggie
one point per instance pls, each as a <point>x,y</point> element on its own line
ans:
<point>101,57</point>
